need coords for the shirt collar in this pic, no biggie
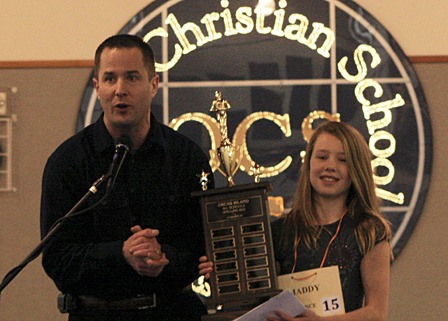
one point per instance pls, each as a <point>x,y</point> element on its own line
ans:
<point>155,136</point>
<point>104,143</point>
<point>102,140</point>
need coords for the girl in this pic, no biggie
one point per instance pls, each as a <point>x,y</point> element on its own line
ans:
<point>335,221</point>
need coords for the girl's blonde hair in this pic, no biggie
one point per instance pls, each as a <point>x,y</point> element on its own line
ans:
<point>362,202</point>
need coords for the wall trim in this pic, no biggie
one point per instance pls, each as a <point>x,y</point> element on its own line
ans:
<point>428,59</point>
<point>29,64</point>
<point>89,63</point>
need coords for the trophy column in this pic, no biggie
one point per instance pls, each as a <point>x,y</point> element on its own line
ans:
<point>237,232</point>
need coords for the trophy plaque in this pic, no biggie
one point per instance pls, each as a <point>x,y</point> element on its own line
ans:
<point>238,236</point>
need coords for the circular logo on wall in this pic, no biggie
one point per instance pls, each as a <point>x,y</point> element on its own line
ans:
<point>283,66</point>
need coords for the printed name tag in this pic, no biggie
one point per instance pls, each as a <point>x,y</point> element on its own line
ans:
<point>318,289</point>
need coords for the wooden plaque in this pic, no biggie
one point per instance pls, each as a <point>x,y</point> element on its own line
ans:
<point>238,240</point>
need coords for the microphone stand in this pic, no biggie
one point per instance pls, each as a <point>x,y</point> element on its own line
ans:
<point>38,249</point>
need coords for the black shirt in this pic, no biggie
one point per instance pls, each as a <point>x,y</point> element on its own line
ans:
<point>153,190</point>
<point>344,252</point>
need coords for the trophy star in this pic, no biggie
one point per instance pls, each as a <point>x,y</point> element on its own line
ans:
<point>203,175</point>
<point>203,180</point>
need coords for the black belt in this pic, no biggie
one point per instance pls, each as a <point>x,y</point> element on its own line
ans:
<point>140,302</point>
<point>135,303</point>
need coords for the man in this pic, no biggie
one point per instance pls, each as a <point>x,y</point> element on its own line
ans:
<point>127,257</point>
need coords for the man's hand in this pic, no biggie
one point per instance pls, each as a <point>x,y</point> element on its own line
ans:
<point>142,251</point>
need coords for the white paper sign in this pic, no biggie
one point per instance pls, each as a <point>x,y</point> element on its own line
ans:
<point>285,301</point>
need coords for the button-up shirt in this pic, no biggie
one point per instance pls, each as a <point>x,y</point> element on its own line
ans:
<point>153,190</point>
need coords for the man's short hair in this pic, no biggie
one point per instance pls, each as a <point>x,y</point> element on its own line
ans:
<point>127,41</point>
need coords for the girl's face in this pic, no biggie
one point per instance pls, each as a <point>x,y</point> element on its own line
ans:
<point>329,174</point>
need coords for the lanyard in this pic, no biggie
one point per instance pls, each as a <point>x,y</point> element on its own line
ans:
<point>296,245</point>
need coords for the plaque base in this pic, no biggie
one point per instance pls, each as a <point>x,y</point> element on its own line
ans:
<point>223,316</point>
<point>238,240</point>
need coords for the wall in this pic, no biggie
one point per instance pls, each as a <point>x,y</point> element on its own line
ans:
<point>47,103</point>
<point>418,278</point>
<point>46,117</point>
<point>46,106</point>
<point>76,27</point>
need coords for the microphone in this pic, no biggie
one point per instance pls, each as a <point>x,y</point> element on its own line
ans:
<point>122,147</point>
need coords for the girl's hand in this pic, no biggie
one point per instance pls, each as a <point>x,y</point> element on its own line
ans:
<point>308,315</point>
<point>205,267</point>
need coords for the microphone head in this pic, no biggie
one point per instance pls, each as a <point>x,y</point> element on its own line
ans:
<point>122,147</point>
<point>123,142</point>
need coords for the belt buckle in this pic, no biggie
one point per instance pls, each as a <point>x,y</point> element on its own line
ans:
<point>153,305</point>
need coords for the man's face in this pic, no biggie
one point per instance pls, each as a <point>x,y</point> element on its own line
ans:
<point>125,90</point>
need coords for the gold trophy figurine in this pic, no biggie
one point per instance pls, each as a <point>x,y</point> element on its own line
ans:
<point>228,154</point>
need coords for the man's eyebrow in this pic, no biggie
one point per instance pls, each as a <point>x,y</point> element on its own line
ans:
<point>126,72</point>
